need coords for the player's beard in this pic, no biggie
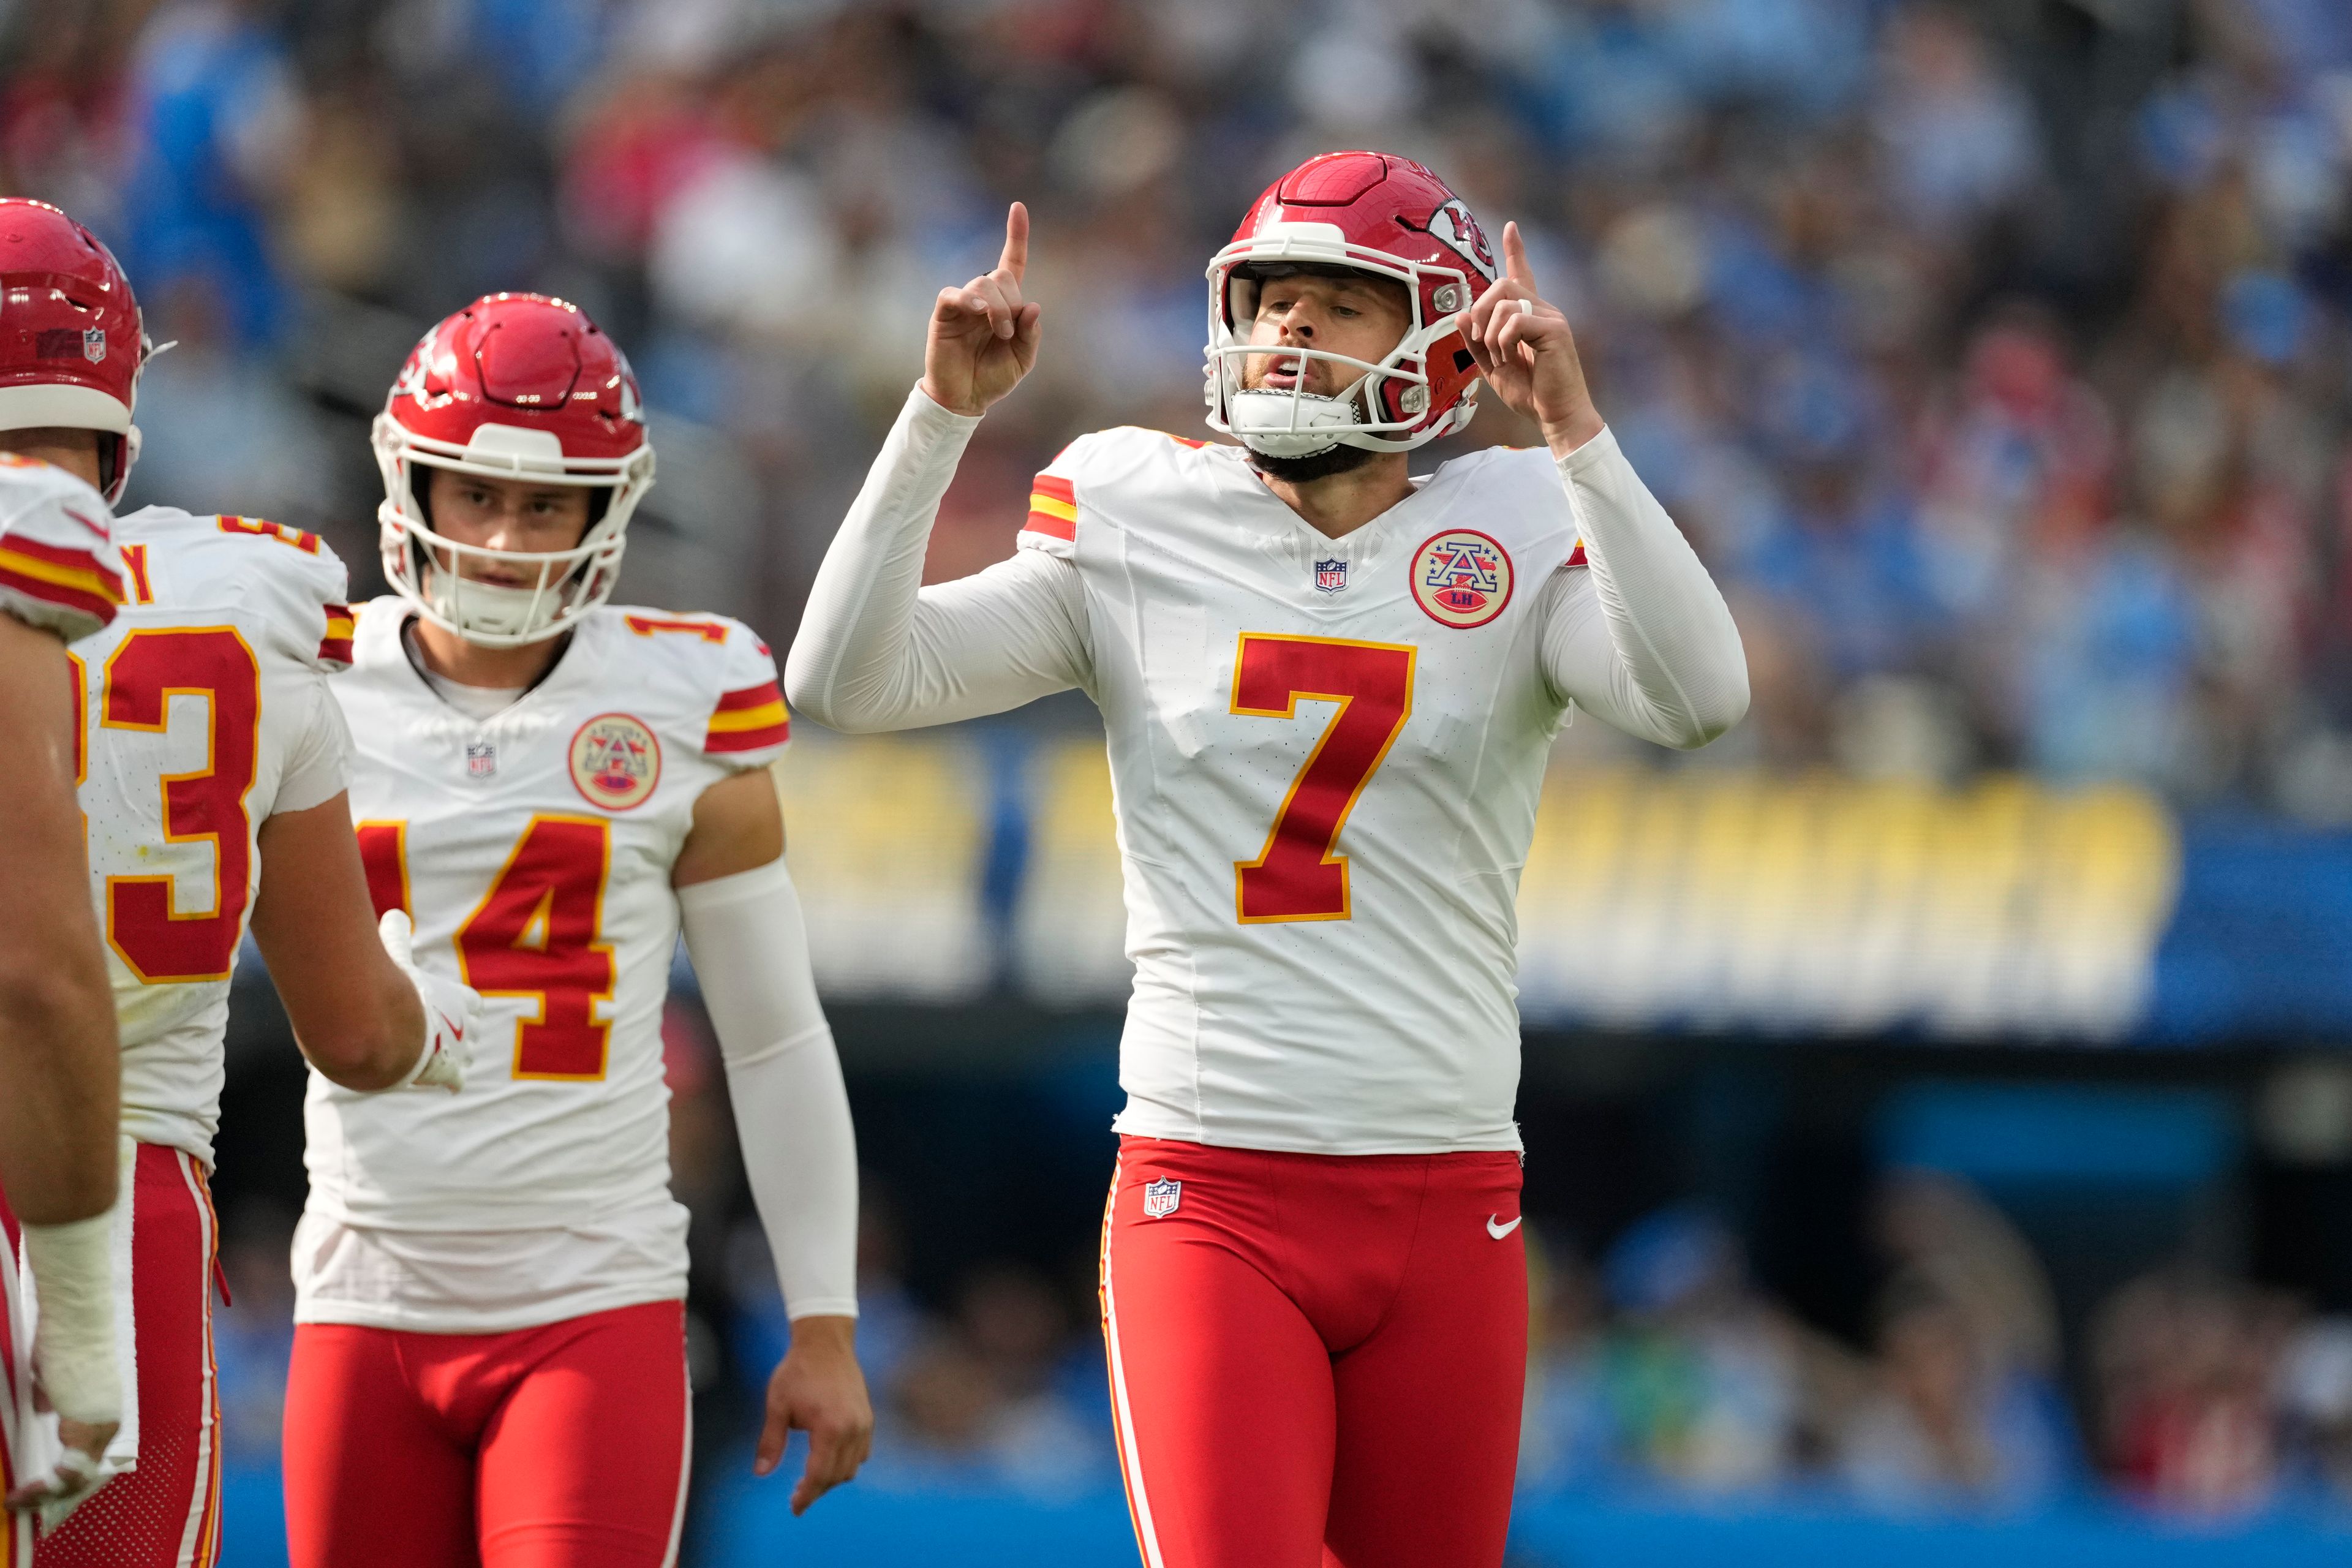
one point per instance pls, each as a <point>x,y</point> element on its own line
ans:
<point>1340,459</point>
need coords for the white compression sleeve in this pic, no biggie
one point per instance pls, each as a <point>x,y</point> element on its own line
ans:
<point>877,650</point>
<point>1647,643</point>
<point>750,947</point>
<point>72,1267</point>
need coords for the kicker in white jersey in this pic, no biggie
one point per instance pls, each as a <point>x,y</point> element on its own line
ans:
<point>533,850</point>
<point>205,712</point>
<point>1327,755</point>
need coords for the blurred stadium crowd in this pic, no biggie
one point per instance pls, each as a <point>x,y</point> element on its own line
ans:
<point>1995,356</point>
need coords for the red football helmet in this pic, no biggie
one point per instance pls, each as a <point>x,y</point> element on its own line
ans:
<point>1367,212</point>
<point>514,387</point>
<point>71,343</point>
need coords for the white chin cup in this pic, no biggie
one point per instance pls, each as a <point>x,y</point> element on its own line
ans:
<point>490,608</point>
<point>1276,424</point>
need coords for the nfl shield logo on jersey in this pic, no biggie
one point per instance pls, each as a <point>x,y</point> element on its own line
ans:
<point>1160,1198</point>
<point>481,758</point>
<point>93,343</point>
<point>1330,577</point>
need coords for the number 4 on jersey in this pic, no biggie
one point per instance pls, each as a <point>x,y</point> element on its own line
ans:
<point>534,935</point>
<point>1299,875</point>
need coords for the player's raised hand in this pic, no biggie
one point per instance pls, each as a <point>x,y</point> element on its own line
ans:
<point>984,336</point>
<point>1528,354</point>
<point>818,1389</point>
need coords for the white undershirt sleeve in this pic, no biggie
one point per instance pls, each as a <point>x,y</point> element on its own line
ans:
<point>877,650</point>
<point>750,947</point>
<point>319,764</point>
<point>1642,637</point>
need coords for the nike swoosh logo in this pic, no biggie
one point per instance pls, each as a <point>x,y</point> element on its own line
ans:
<point>1500,1231</point>
<point>456,1032</point>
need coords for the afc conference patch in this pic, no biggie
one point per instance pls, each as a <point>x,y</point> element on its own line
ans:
<point>615,761</point>
<point>1461,578</point>
<point>1160,1198</point>
<point>1330,577</point>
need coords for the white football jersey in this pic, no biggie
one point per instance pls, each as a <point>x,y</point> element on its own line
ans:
<point>205,712</point>
<point>1325,757</point>
<point>533,850</point>
<point>58,566</point>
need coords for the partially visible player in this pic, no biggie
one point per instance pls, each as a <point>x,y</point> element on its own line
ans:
<point>212,765</point>
<point>1330,693</point>
<point>60,579</point>
<point>489,1352</point>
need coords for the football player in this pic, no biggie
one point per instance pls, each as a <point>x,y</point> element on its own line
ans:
<point>60,579</point>
<point>489,1351</point>
<point>212,766</point>
<point>1331,690</point>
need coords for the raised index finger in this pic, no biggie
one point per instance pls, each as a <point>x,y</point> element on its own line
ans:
<point>1515,259</point>
<point>1015,258</point>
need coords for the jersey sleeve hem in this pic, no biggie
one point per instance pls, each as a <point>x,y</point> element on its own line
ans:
<point>57,588</point>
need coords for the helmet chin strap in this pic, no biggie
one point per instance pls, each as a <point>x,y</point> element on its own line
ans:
<point>1293,424</point>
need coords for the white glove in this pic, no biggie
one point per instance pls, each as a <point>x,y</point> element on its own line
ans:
<point>451,1013</point>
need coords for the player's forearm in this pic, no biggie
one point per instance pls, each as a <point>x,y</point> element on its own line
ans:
<point>59,1073</point>
<point>1680,669</point>
<point>749,942</point>
<point>848,666</point>
<point>60,1078</point>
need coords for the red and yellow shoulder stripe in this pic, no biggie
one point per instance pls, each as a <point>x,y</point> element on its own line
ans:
<point>74,579</point>
<point>1053,508</point>
<point>1576,556</point>
<point>748,719</point>
<point>336,645</point>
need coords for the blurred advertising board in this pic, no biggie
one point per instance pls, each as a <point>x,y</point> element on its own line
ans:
<point>1701,898</point>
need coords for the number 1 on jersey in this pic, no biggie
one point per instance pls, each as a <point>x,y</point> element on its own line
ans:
<point>1299,875</point>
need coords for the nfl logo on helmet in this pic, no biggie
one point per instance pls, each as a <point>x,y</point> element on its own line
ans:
<point>1160,1198</point>
<point>1330,577</point>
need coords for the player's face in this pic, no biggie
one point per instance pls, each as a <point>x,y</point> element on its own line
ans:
<point>1362,317</point>
<point>505,514</point>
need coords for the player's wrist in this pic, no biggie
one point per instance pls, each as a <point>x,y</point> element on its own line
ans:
<point>825,1333</point>
<point>1567,435</point>
<point>966,409</point>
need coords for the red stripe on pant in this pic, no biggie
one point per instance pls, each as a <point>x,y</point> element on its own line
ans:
<point>1315,1353</point>
<point>558,1446</point>
<point>166,1513</point>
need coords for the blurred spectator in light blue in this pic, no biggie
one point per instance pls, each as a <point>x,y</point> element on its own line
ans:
<point>253,1334</point>
<point>993,1401</point>
<point>216,119</point>
<point>1959,134</point>
<point>1963,1411</point>
<point>1701,1376</point>
<point>1949,1426</point>
<point>1566,1438</point>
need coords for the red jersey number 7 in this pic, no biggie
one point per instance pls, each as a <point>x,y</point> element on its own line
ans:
<point>1300,875</point>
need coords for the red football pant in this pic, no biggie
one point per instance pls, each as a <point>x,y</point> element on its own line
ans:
<point>1316,1359</point>
<point>166,1513</point>
<point>558,1446</point>
<point>16,1394</point>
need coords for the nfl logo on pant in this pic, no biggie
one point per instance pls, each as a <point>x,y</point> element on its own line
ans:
<point>1160,1198</point>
